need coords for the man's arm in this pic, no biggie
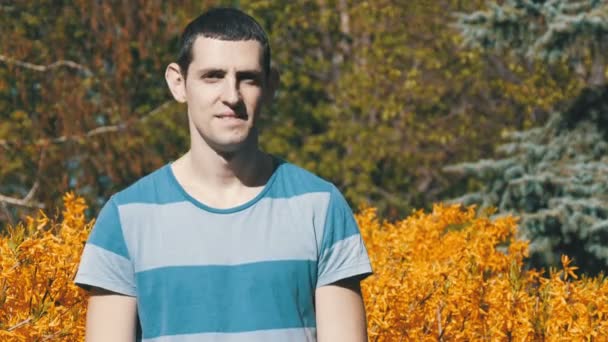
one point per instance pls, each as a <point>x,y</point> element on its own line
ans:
<point>340,312</point>
<point>111,317</point>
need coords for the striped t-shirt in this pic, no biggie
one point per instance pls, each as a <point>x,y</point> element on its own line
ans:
<point>247,273</point>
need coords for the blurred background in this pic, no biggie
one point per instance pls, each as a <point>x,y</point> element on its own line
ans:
<point>402,104</point>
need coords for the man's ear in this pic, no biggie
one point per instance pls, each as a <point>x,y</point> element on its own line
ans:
<point>272,84</point>
<point>176,82</point>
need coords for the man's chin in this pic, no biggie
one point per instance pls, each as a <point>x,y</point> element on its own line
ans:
<point>233,143</point>
<point>232,148</point>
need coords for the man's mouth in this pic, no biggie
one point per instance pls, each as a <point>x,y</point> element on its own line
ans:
<point>229,116</point>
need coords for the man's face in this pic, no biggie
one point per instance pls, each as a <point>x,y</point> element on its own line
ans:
<point>224,91</point>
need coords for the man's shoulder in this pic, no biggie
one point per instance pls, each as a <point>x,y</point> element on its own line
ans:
<point>154,187</point>
<point>297,180</point>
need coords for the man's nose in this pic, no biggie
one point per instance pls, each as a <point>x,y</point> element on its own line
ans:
<point>231,94</point>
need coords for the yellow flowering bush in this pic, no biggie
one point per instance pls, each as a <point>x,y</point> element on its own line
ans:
<point>448,275</point>
<point>38,261</point>
<point>453,276</point>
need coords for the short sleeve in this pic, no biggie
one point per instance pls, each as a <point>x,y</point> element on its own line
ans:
<point>342,254</point>
<point>105,261</point>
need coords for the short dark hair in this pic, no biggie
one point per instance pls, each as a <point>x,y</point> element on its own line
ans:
<point>225,24</point>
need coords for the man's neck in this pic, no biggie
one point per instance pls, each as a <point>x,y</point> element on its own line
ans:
<point>244,167</point>
<point>223,179</point>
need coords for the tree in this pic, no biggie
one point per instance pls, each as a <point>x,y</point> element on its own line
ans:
<point>556,178</point>
<point>82,98</point>
<point>553,176</point>
<point>550,30</point>
<point>380,94</point>
<point>375,96</point>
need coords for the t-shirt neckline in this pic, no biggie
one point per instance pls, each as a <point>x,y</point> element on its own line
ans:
<point>173,179</point>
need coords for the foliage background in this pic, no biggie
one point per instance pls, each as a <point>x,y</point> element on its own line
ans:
<point>402,104</point>
<point>376,96</point>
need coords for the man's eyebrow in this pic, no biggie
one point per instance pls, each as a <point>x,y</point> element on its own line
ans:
<point>207,71</point>
<point>249,73</point>
<point>240,73</point>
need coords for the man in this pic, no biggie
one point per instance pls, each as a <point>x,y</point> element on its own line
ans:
<point>227,243</point>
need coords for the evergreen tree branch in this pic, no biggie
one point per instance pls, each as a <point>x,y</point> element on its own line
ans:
<point>549,30</point>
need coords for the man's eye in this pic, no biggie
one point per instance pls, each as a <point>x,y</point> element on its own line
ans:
<point>250,80</point>
<point>211,78</point>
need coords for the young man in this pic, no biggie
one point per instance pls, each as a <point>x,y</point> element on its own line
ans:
<point>227,243</point>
